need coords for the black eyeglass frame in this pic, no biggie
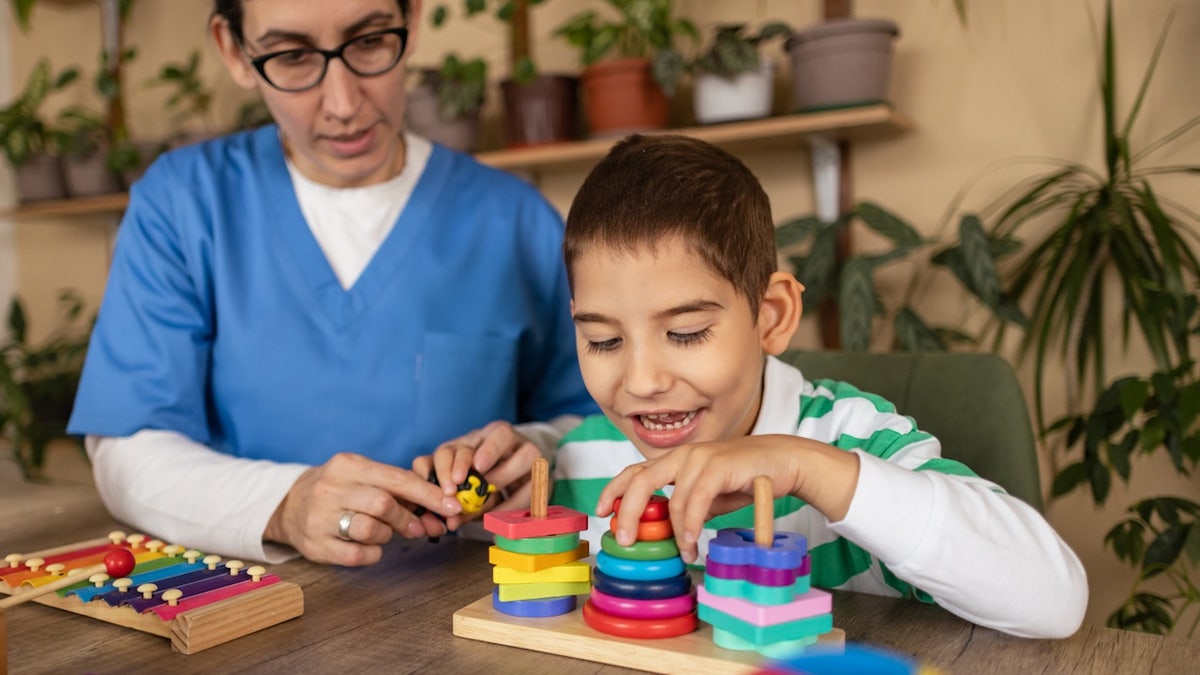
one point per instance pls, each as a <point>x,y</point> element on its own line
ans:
<point>259,62</point>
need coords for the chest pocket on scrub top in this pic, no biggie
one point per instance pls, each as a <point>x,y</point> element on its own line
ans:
<point>464,382</point>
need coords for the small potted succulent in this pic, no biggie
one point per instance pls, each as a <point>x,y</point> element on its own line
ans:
<point>445,103</point>
<point>732,79</point>
<point>30,144</point>
<point>841,63</point>
<point>630,66</point>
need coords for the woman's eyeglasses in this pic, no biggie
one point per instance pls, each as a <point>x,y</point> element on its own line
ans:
<point>366,56</point>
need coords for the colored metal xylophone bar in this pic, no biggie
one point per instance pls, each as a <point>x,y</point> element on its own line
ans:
<point>196,600</point>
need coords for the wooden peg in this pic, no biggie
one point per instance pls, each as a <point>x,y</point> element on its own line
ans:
<point>98,579</point>
<point>764,512</point>
<point>155,545</point>
<point>211,560</point>
<point>147,590</point>
<point>171,596</point>
<point>116,537</point>
<point>122,585</point>
<point>256,573</point>
<point>14,559</point>
<point>172,550</point>
<point>539,488</point>
<point>34,563</point>
<point>135,540</point>
<point>234,566</point>
<point>55,569</point>
<point>191,554</point>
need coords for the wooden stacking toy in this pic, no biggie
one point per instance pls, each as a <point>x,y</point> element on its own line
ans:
<point>756,591</point>
<point>537,556</point>
<point>642,590</point>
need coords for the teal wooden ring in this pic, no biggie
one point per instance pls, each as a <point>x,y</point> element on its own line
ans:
<point>557,543</point>
<point>660,549</point>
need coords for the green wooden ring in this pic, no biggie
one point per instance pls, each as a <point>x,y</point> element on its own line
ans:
<point>558,543</point>
<point>660,549</point>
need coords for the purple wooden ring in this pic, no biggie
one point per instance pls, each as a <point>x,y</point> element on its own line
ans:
<point>763,576</point>
<point>735,546</point>
<point>534,609</point>
<point>664,608</point>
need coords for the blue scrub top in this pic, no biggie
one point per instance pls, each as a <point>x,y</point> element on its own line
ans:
<point>223,320</point>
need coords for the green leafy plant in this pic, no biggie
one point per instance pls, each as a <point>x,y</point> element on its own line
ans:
<point>38,382</point>
<point>190,97</point>
<point>460,86</point>
<point>514,13</point>
<point>83,132</point>
<point>847,281</point>
<point>1096,227</point>
<point>645,29</point>
<point>732,52</point>
<point>23,130</point>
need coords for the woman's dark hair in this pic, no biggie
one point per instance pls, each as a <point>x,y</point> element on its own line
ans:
<point>231,11</point>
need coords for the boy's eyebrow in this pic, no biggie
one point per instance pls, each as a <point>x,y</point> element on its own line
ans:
<point>277,35</point>
<point>685,308</point>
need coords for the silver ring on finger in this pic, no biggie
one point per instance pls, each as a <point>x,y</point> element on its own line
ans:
<point>343,528</point>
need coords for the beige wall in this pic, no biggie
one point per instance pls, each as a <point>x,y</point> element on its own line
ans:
<point>1018,81</point>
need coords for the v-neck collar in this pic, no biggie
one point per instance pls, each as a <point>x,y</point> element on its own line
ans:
<point>344,306</point>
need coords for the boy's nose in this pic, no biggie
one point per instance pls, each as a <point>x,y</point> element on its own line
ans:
<point>341,91</point>
<point>645,374</point>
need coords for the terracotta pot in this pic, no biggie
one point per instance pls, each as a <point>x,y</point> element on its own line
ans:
<point>543,111</point>
<point>621,96</point>
<point>841,63</point>
<point>40,178</point>
<point>90,175</point>
<point>423,117</point>
<point>745,96</point>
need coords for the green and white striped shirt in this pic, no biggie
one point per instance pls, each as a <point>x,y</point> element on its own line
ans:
<point>919,525</point>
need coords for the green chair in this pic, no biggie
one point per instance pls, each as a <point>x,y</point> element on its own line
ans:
<point>971,402</point>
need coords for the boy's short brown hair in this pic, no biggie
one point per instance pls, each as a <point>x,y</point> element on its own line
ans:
<point>652,188</point>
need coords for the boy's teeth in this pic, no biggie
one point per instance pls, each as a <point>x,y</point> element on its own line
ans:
<point>650,421</point>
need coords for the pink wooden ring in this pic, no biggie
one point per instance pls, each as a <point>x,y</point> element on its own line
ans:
<point>643,609</point>
<point>651,530</point>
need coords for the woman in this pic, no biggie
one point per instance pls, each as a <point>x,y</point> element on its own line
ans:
<point>295,312</point>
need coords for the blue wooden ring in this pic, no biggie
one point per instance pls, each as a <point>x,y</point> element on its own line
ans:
<point>534,609</point>
<point>639,570</point>
<point>641,590</point>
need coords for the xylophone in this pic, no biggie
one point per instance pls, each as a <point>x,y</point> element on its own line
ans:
<point>196,600</point>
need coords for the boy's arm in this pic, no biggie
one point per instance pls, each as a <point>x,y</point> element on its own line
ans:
<point>984,555</point>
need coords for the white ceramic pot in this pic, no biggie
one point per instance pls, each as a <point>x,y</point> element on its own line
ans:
<point>746,96</point>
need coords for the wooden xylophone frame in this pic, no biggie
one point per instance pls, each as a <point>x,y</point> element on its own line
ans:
<point>196,629</point>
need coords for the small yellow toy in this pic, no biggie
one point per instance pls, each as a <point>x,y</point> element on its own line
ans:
<point>474,491</point>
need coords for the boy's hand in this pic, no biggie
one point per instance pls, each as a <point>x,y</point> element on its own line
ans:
<point>502,455</point>
<point>718,477</point>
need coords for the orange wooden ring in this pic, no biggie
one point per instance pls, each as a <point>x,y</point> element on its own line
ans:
<point>650,530</point>
<point>656,508</point>
<point>638,628</point>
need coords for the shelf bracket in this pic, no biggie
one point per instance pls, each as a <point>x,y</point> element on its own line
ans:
<point>826,171</point>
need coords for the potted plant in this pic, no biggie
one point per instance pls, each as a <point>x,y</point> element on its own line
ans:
<point>539,107</point>
<point>1094,233</point>
<point>38,383</point>
<point>841,62</point>
<point>190,99</point>
<point>86,152</point>
<point>444,105</point>
<point>630,66</point>
<point>30,144</point>
<point>732,80</point>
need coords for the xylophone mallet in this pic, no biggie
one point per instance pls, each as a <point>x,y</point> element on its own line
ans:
<point>118,563</point>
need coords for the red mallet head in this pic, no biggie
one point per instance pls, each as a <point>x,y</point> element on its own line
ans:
<point>118,563</point>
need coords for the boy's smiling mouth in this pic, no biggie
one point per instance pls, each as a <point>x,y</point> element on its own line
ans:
<point>665,429</point>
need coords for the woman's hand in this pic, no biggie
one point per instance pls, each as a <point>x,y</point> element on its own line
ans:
<point>502,455</point>
<point>379,499</point>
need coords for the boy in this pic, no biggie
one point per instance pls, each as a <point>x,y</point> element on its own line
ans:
<point>679,311</point>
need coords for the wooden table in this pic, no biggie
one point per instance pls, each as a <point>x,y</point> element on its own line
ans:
<point>395,617</point>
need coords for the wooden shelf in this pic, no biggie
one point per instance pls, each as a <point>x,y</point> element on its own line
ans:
<point>860,122</point>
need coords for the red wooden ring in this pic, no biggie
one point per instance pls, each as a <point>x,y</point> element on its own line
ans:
<point>651,530</point>
<point>638,628</point>
<point>656,508</point>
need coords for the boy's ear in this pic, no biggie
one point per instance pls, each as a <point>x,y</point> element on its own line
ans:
<point>779,312</point>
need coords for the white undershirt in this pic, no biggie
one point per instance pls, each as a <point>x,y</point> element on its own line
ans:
<point>222,503</point>
<point>350,224</point>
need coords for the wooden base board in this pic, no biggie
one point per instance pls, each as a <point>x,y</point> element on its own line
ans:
<point>200,628</point>
<point>568,635</point>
